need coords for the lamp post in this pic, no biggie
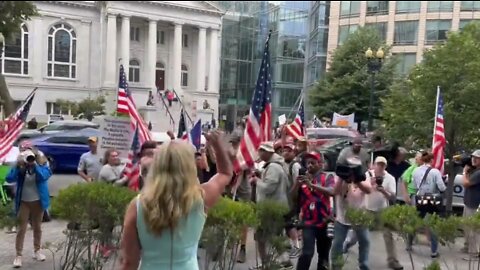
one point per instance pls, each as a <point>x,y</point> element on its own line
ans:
<point>374,66</point>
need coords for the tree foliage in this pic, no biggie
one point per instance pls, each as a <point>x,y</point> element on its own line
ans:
<point>87,107</point>
<point>346,85</point>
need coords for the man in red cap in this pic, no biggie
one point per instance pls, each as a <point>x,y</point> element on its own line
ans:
<point>314,192</point>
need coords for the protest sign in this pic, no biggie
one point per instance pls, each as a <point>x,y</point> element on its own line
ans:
<point>116,133</point>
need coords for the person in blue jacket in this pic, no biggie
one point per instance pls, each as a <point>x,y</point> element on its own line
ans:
<point>32,198</point>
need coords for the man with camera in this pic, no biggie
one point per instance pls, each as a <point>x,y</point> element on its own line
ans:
<point>383,192</point>
<point>314,192</point>
<point>355,151</point>
<point>350,190</point>
<point>471,182</point>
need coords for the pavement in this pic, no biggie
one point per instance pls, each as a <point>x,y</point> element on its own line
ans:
<point>450,257</point>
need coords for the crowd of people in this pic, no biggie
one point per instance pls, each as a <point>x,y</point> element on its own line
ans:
<point>178,184</point>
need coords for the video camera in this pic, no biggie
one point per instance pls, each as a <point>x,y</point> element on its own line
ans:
<point>463,160</point>
<point>350,172</point>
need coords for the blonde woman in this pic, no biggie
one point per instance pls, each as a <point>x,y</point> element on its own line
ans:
<point>163,225</point>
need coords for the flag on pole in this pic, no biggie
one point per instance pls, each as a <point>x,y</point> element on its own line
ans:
<point>11,127</point>
<point>297,128</point>
<point>196,134</point>
<point>439,141</point>
<point>126,106</point>
<point>258,127</point>
<point>132,168</point>
<point>182,127</point>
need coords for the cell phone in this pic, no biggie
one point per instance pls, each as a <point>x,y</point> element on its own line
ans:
<point>302,171</point>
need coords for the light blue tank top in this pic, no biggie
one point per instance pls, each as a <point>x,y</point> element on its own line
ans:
<point>172,250</point>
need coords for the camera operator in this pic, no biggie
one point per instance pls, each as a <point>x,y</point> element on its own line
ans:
<point>349,190</point>
<point>383,192</point>
<point>471,182</point>
<point>32,198</point>
<point>355,151</point>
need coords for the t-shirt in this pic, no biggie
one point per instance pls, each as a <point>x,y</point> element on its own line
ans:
<point>472,193</point>
<point>396,170</point>
<point>376,201</point>
<point>111,174</point>
<point>315,206</point>
<point>90,164</point>
<point>352,196</point>
<point>30,189</point>
<point>407,177</point>
<point>432,184</point>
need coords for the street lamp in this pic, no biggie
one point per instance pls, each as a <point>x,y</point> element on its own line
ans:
<point>374,66</point>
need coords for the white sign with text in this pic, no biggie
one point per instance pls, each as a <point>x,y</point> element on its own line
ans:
<point>116,133</point>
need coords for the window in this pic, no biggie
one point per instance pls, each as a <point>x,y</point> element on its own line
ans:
<point>54,108</point>
<point>406,33</point>
<point>135,33</point>
<point>406,62</point>
<point>62,52</point>
<point>377,7</point>
<point>345,31</point>
<point>292,72</point>
<point>350,9</point>
<point>15,53</point>
<point>160,37</point>
<point>134,71</point>
<point>185,41</point>
<point>464,23</point>
<point>470,6</point>
<point>437,30</point>
<point>286,97</point>
<point>381,29</point>
<point>184,78</point>
<point>440,6</point>
<point>408,7</point>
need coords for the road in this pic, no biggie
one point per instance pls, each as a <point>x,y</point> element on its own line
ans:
<point>52,232</point>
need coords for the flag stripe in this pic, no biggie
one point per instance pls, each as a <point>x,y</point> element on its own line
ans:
<point>439,141</point>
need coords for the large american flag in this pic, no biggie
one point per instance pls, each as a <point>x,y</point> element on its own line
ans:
<point>439,141</point>
<point>258,128</point>
<point>132,168</point>
<point>126,106</point>
<point>12,126</point>
<point>297,128</point>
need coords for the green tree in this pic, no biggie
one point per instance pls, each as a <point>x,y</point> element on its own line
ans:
<point>12,14</point>
<point>409,109</point>
<point>87,107</point>
<point>346,85</point>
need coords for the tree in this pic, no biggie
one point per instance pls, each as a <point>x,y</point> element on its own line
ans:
<point>346,86</point>
<point>13,13</point>
<point>86,108</point>
<point>409,109</point>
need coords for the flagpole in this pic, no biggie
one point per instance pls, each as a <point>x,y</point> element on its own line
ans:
<point>183,106</point>
<point>436,111</point>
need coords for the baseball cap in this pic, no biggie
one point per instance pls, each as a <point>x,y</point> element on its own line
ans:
<point>267,147</point>
<point>92,139</point>
<point>313,155</point>
<point>289,145</point>
<point>380,159</point>
<point>476,153</point>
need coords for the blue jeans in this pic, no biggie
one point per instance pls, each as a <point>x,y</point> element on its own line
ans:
<point>433,237</point>
<point>336,254</point>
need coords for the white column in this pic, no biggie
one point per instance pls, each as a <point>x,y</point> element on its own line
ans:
<point>152,54</point>
<point>214,56</point>
<point>201,57</point>
<point>125,43</point>
<point>177,57</point>
<point>111,50</point>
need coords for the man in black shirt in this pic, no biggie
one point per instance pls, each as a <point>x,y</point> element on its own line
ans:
<point>471,182</point>
<point>398,165</point>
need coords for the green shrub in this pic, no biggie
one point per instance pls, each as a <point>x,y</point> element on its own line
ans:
<point>446,229</point>
<point>403,219</point>
<point>7,215</point>
<point>360,218</point>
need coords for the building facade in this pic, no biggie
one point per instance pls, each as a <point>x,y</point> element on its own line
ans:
<point>73,50</point>
<point>409,26</point>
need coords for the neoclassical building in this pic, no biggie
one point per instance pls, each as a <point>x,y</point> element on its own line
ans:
<point>74,49</point>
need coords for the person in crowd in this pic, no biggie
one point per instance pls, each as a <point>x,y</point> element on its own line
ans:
<point>350,192</point>
<point>278,147</point>
<point>355,151</point>
<point>273,185</point>
<point>32,198</point>
<point>398,165</point>
<point>471,182</point>
<point>201,167</point>
<point>32,124</point>
<point>408,186</point>
<point>383,192</point>
<point>293,169</point>
<point>377,142</point>
<point>112,170</point>
<point>428,180</point>
<point>89,166</point>
<point>151,99</point>
<point>163,225</point>
<point>315,190</point>
<point>147,151</point>
<point>301,147</point>
<point>170,97</point>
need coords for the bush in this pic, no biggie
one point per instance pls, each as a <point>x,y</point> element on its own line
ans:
<point>446,229</point>
<point>403,219</point>
<point>7,215</point>
<point>360,218</point>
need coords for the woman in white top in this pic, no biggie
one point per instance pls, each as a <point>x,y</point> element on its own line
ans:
<point>112,170</point>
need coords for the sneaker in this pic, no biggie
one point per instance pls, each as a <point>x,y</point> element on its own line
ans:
<point>242,256</point>
<point>17,263</point>
<point>39,256</point>
<point>434,255</point>
<point>395,265</point>
<point>294,253</point>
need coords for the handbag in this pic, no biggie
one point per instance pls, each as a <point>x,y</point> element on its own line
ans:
<point>427,201</point>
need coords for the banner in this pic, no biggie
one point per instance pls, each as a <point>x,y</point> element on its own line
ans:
<point>116,133</point>
<point>347,121</point>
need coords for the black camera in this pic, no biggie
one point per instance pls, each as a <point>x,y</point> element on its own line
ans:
<point>379,180</point>
<point>463,160</point>
<point>350,173</point>
<point>30,158</point>
<point>302,171</point>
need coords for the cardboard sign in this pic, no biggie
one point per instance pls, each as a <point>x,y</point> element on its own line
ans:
<point>117,133</point>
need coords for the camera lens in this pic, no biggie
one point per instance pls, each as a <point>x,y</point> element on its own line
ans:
<point>31,158</point>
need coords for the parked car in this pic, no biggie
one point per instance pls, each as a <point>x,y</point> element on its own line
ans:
<point>27,134</point>
<point>319,136</point>
<point>67,125</point>
<point>63,149</point>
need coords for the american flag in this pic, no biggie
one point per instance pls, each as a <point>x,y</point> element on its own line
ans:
<point>126,106</point>
<point>439,141</point>
<point>297,128</point>
<point>132,168</point>
<point>258,128</point>
<point>12,126</point>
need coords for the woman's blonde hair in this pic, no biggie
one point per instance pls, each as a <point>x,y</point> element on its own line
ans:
<point>171,188</point>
